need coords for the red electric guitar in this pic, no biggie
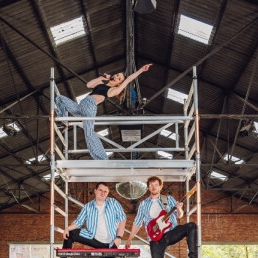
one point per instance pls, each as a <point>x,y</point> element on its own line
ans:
<point>156,227</point>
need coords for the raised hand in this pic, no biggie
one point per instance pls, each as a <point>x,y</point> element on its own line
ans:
<point>146,67</point>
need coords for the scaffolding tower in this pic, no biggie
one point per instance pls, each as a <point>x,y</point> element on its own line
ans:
<point>175,170</point>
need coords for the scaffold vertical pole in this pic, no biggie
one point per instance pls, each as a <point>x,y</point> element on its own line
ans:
<point>52,162</point>
<point>198,162</point>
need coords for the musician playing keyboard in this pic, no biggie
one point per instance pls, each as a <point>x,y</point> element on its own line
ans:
<point>160,220</point>
<point>105,222</point>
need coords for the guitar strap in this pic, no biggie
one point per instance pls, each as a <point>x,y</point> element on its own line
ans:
<point>164,201</point>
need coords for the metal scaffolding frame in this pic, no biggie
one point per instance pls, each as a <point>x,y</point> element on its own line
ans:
<point>92,170</point>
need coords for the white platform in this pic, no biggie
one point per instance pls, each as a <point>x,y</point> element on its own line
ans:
<point>125,170</point>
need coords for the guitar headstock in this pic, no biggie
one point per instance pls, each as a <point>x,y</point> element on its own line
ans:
<point>191,192</point>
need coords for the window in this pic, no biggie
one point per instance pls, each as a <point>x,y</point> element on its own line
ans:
<point>68,30</point>
<point>229,250</point>
<point>177,96</point>
<point>194,29</point>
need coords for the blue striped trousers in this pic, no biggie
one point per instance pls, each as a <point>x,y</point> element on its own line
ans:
<point>86,108</point>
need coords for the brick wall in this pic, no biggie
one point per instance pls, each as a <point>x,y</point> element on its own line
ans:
<point>222,222</point>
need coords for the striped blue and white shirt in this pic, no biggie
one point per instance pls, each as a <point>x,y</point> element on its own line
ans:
<point>143,213</point>
<point>114,214</point>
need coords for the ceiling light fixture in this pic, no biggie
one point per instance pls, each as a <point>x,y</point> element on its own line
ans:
<point>9,130</point>
<point>247,128</point>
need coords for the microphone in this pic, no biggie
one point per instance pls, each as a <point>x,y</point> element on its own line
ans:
<point>104,75</point>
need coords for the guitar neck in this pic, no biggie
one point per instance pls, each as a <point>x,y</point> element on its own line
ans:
<point>182,200</point>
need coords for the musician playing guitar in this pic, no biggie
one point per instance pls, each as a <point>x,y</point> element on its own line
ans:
<point>160,224</point>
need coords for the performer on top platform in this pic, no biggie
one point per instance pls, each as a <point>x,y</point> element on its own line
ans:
<point>103,86</point>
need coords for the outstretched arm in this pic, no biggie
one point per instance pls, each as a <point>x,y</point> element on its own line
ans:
<point>114,91</point>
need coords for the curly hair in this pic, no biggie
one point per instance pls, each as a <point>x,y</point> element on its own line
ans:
<point>154,178</point>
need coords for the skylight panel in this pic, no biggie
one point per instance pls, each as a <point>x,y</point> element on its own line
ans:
<point>109,153</point>
<point>11,125</point>
<point>68,30</point>
<point>216,175</point>
<point>194,29</point>
<point>48,176</point>
<point>256,128</point>
<point>168,134</point>
<point>79,98</point>
<point>39,159</point>
<point>234,159</point>
<point>176,96</point>
<point>165,154</point>
<point>104,132</point>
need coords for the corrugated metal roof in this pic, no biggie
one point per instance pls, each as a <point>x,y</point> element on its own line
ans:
<point>227,79</point>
